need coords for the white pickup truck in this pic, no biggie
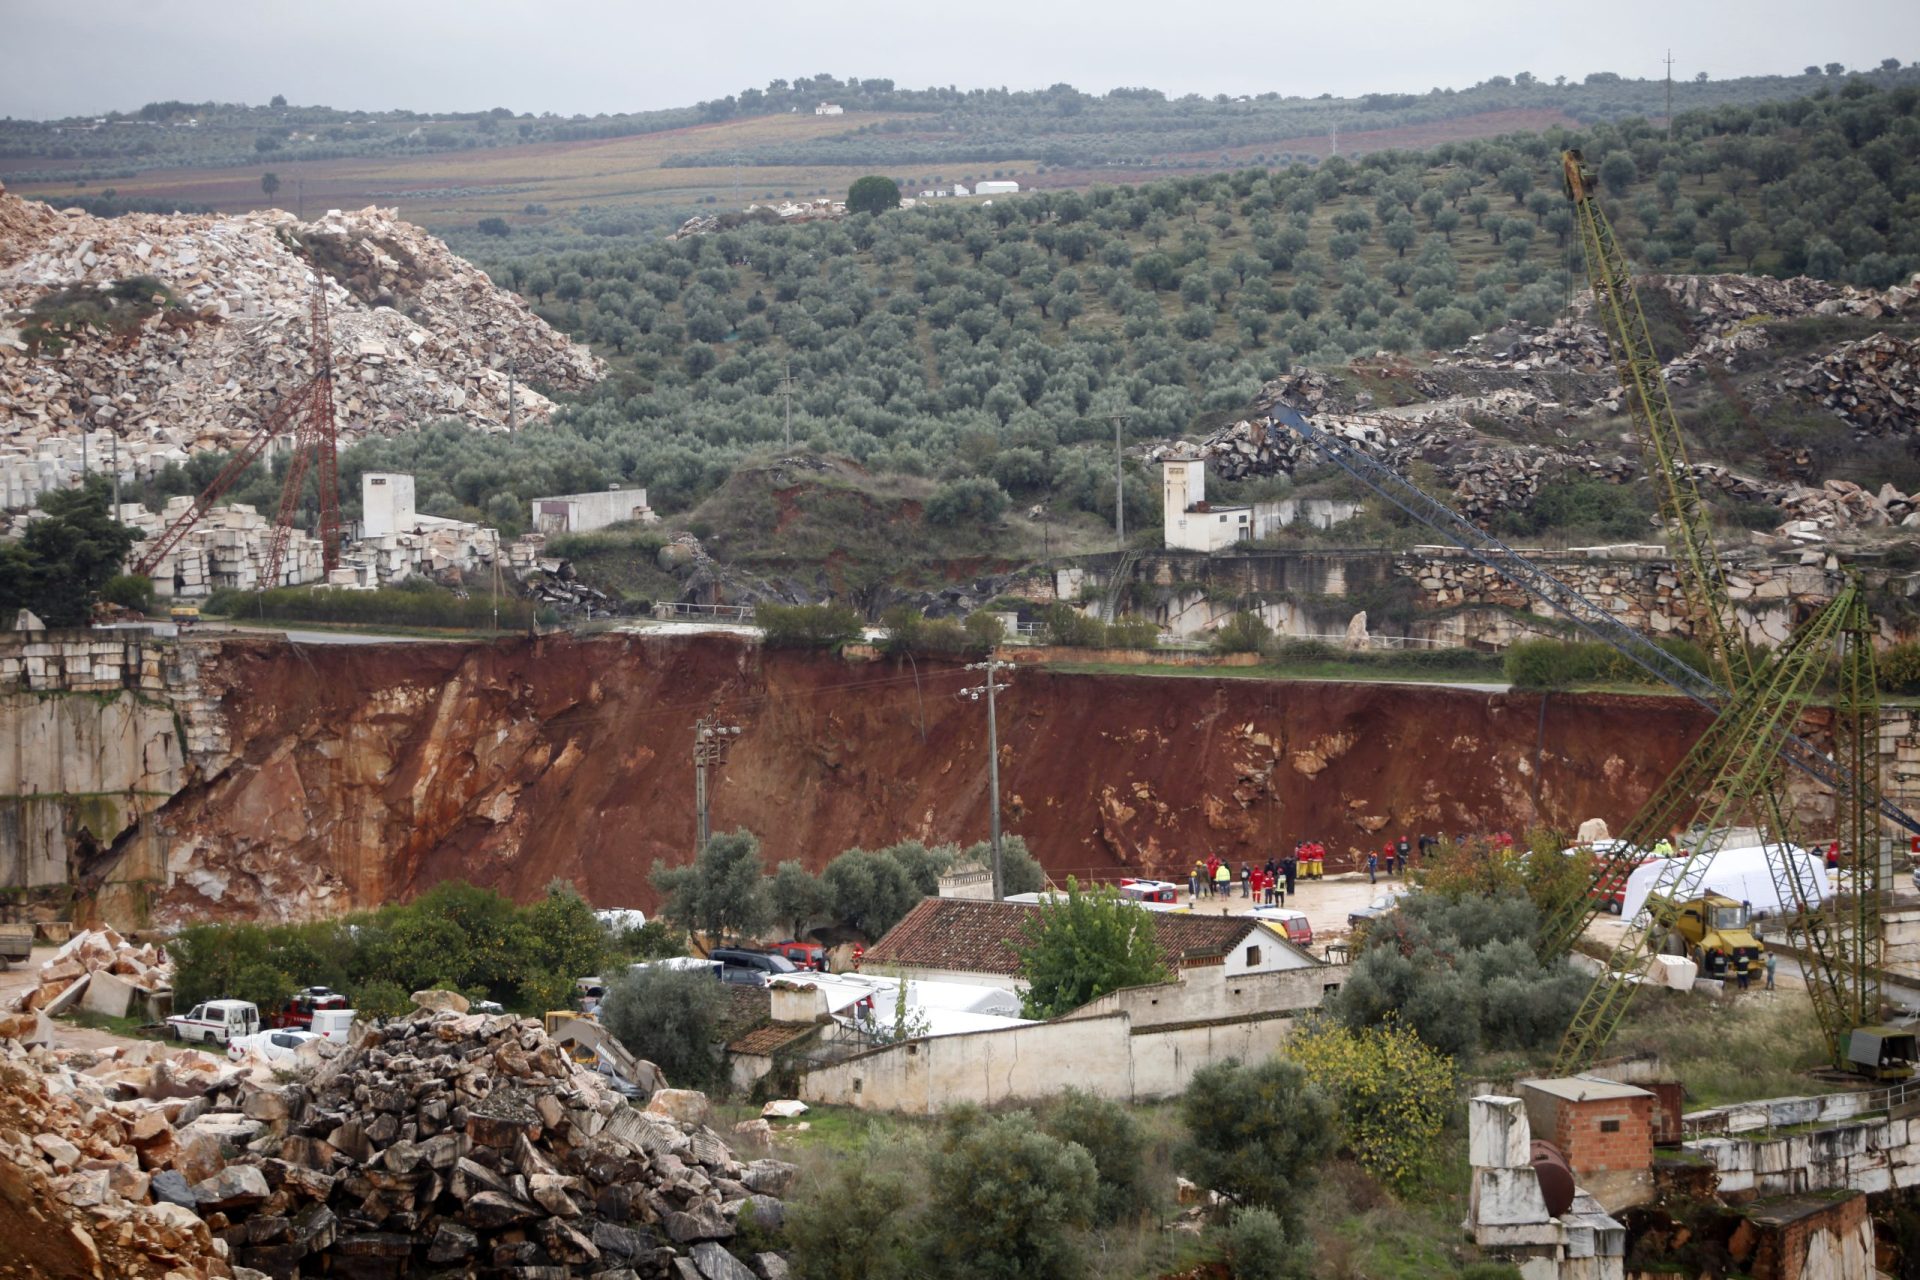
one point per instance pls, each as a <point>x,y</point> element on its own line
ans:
<point>216,1022</point>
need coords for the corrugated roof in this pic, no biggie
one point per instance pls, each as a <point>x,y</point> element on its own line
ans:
<point>968,935</point>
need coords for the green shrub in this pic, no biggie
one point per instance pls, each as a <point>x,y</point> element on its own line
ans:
<point>1242,633</point>
<point>670,1017</point>
<point>1066,626</point>
<point>1257,1134</point>
<point>118,307</point>
<point>852,1224</point>
<point>1898,669</point>
<point>418,603</point>
<point>910,632</point>
<point>968,500</point>
<point>1008,1198</point>
<point>1257,1247</point>
<point>1561,664</point>
<point>1110,1134</point>
<point>129,591</point>
<point>807,626</point>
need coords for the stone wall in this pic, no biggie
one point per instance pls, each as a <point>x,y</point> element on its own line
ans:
<point>1105,1055</point>
<point>1200,995</point>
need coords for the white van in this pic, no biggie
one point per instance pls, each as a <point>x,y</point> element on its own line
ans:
<point>334,1024</point>
<point>216,1022</point>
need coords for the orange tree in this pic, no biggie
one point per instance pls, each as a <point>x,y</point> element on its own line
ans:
<point>1391,1090</point>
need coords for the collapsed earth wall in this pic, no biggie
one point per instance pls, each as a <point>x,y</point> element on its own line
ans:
<point>345,776</point>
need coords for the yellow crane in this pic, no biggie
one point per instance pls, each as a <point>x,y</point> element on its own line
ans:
<point>1735,767</point>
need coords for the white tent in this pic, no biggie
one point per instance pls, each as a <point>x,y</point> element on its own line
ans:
<point>1740,874</point>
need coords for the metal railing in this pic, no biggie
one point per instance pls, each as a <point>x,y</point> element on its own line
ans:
<point>1868,1104</point>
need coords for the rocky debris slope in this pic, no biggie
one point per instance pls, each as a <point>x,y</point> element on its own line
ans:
<point>1486,476</point>
<point>1813,511</point>
<point>418,333</point>
<point>1874,384</point>
<point>145,968</point>
<point>76,1148</point>
<point>441,1143</point>
<point>465,1141</point>
<point>1726,312</point>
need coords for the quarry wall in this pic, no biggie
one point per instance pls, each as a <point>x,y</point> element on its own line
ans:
<point>1439,595</point>
<point>246,776</point>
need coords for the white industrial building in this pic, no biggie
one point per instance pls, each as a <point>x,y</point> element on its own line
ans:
<point>996,188</point>
<point>584,512</point>
<point>829,109</point>
<point>1194,524</point>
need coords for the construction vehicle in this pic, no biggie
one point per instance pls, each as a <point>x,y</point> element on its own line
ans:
<point>1883,1053</point>
<point>297,1013</point>
<point>183,614</point>
<point>1712,930</point>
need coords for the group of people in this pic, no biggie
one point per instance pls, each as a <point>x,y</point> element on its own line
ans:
<point>1394,852</point>
<point>1269,884</point>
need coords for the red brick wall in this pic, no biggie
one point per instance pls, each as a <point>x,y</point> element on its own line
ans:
<point>1578,1134</point>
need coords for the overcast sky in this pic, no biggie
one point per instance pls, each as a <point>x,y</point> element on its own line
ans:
<point>91,56</point>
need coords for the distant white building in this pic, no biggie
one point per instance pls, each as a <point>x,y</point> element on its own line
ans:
<point>583,512</point>
<point>996,188</point>
<point>829,109</point>
<point>960,190</point>
<point>1192,524</point>
<point>386,501</point>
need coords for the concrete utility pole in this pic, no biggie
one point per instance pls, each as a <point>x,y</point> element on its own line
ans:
<point>710,742</point>
<point>1669,95</point>
<point>1119,485</point>
<point>785,390</point>
<point>114,440</point>
<point>992,666</point>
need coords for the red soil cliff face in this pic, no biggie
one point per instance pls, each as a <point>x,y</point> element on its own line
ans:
<point>367,773</point>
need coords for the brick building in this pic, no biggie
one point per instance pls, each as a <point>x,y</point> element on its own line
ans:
<point>1605,1130</point>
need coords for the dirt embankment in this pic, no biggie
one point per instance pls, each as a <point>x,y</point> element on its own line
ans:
<point>368,772</point>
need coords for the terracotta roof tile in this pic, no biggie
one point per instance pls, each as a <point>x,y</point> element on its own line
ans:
<point>772,1037</point>
<point>968,935</point>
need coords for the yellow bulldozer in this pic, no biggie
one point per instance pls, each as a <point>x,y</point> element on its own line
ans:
<point>1713,931</point>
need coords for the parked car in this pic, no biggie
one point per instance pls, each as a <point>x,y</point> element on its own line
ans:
<point>750,968</point>
<point>1382,905</point>
<point>805,955</point>
<point>1294,924</point>
<point>216,1022</point>
<point>274,1046</point>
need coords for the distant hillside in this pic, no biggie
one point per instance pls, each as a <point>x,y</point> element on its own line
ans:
<point>962,341</point>
<point>454,169</point>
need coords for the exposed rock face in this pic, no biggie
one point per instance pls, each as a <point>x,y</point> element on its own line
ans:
<point>365,774</point>
<point>418,333</point>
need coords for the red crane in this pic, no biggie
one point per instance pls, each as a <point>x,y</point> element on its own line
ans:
<point>308,414</point>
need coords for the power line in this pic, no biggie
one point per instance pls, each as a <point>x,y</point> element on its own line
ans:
<point>988,687</point>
